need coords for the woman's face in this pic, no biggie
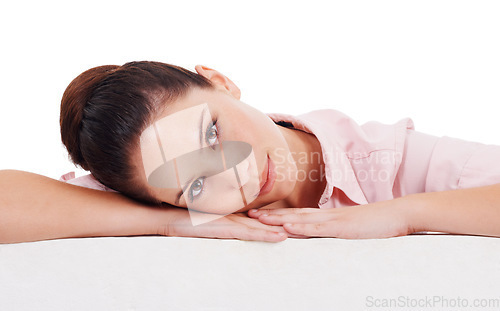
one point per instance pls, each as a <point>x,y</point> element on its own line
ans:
<point>214,149</point>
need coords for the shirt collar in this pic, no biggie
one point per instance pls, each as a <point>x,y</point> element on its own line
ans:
<point>338,169</point>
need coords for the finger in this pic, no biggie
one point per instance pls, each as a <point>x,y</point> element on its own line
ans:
<point>324,229</point>
<point>255,230</point>
<point>254,234</point>
<point>272,235</point>
<point>283,211</point>
<point>253,213</point>
<point>237,231</point>
<point>297,236</point>
<point>223,228</point>
<point>255,223</point>
<point>302,218</point>
<point>233,231</point>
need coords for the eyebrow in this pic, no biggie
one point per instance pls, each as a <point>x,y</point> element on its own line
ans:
<point>201,145</point>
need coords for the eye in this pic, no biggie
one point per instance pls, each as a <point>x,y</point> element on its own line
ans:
<point>196,188</point>
<point>211,137</point>
<point>212,133</point>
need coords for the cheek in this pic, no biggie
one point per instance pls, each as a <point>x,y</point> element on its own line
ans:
<point>245,123</point>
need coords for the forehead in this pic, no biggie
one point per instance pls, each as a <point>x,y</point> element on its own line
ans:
<point>193,97</point>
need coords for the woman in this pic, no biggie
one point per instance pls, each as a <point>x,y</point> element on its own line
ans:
<point>48,209</point>
<point>376,175</point>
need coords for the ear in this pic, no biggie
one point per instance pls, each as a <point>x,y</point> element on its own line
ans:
<point>219,80</point>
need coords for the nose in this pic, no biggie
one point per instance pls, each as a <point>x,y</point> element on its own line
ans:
<point>236,177</point>
<point>243,170</point>
<point>248,176</point>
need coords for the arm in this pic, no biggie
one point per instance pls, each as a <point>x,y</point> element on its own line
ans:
<point>462,185</point>
<point>472,211</point>
<point>35,207</point>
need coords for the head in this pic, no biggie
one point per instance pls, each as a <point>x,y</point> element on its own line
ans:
<point>108,112</point>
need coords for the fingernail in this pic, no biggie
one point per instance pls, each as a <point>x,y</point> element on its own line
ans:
<point>287,224</point>
<point>253,210</point>
<point>282,234</point>
<point>264,215</point>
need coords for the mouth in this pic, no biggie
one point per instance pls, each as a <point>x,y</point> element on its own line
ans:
<point>268,177</point>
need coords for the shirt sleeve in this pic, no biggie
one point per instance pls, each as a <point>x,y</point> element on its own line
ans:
<point>433,163</point>
<point>459,164</point>
<point>416,157</point>
<point>87,181</point>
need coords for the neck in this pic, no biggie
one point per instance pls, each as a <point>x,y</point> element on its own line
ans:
<point>306,151</point>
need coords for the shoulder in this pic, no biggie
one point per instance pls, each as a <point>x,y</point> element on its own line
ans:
<point>87,181</point>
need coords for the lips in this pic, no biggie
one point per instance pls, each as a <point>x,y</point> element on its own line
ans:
<point>268,177</point>
<point>264,174</point>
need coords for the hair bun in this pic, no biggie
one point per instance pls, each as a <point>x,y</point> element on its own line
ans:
<point>74,99</point>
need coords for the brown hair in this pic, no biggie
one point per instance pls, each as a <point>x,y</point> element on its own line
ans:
<point>105,109</point>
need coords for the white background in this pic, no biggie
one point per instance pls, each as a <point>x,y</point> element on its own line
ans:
<point>434,61</point>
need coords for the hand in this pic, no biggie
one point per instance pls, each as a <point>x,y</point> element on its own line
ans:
<point>376,220</point>
<point>176,222</point>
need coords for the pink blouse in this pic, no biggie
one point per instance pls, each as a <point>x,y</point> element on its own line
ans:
<point>375,162</point>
